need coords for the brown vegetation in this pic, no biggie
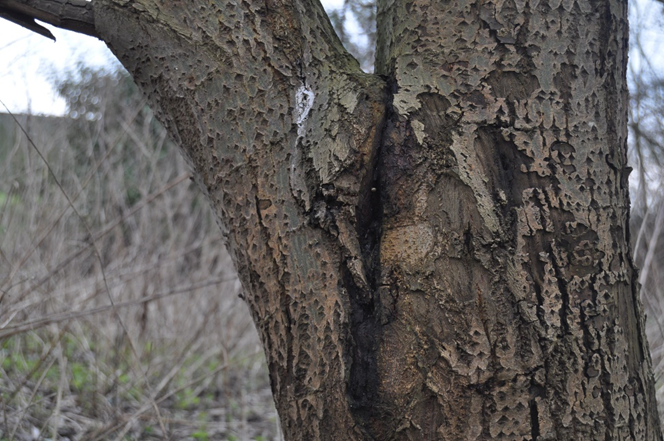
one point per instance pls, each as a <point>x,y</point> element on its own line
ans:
<point>119,308</point>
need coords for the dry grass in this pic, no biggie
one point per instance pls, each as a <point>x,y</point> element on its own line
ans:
<point>119,308</point>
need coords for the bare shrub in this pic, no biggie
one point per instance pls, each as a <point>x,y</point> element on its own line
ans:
<point>646,149</point>
<point>119,308</point>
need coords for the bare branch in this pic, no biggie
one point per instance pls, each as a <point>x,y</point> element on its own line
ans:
<point>26,21</point>
<point>73,15</point>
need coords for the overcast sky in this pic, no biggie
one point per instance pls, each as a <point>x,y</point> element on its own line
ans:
<point>29,60</point>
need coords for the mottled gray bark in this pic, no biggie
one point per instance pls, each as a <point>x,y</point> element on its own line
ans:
<point>438,252</point>
<point>505,185</point>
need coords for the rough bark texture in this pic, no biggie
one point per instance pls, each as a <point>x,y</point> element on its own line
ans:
<point>281,128</point>
<point>438,252</point>
<point>505,268</point>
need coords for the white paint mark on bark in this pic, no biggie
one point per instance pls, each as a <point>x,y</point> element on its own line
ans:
<point>304,101</point>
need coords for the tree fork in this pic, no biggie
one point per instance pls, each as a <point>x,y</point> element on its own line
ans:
<point>438,252</point>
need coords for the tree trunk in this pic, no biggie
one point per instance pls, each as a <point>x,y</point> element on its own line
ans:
<point>439,251</point>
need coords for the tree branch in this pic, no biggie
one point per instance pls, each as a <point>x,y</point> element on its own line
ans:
<point>73,15</point>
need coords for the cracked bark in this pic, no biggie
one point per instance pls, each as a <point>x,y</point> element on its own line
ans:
<point>438,252</point>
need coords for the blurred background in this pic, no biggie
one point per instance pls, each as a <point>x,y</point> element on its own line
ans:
<point>119,308</point>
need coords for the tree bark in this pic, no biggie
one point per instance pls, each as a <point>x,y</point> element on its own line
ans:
<point>505,251</point>
<point>439,251</point>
